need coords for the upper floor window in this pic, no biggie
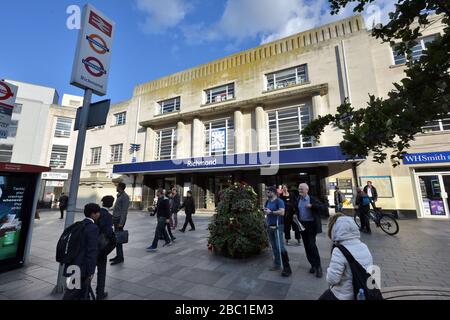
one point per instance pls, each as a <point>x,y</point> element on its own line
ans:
<point>165,144</point>
<point>416,51</point>
<point>58,157</point>
<point>63,127</point>
<point>17,108</point>
<point>287,77</point>
<point>116,153</point>
<point>12,128</point>
<point>219,137</point>
<point>437,125</point>
<point>6,151</point>
<point>170,105</point>
<point>285,126</point>
<point>120,118</point>
<point>221,93</point>
<point>96,155</point>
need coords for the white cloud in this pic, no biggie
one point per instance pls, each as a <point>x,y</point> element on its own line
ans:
<point>162,14</point>
<point>267,20</point>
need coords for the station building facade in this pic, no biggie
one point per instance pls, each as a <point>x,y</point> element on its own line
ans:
<point>239,119</point>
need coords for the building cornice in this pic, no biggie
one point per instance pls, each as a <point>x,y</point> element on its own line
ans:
<point>267,97</point>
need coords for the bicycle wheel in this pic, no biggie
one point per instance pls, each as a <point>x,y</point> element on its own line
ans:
<point>389,225</point>
<point>357,220</point>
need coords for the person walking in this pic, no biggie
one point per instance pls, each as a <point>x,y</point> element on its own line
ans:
<point>371,192</point>
<point>63,203</point>
<point>308,209</point>
<point>86,259</point>
<point>162,212</point>
<point>289,216</point>
<point>169,196</point>
<point>343,231</point>
<point>338,199</point>
<point>120,212</point>
<point>274,209</point>
<point>189,209</point>
<point>176,201</point>
<point>106,240</point>
<point>362,204</point>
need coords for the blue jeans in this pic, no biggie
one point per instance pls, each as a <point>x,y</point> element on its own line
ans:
<point>276,242</point>
<point>339,207</point>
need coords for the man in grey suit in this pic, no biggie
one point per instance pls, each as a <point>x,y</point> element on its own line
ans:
<point>120,212</point>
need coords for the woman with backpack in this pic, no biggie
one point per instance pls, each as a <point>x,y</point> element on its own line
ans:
<point>363,206</point>
<point>342,230</point>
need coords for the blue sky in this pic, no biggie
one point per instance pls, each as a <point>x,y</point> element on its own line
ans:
<point>154,37</point>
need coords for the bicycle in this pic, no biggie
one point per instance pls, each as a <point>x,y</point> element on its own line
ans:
<point>386,221</point>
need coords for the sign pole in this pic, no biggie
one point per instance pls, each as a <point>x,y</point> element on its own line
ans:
<point>76,172</point>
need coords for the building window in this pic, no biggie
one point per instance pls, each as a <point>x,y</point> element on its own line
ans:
<point>17,108</point>
<point>63,127</point>
<point>116,153</point>
<point>6,151</point>
<point>219,94</point>
<point>96,155</point>
<point>285,126</point>
<point>170,105</point>
<point>219,137</point>
<point>416,51</point>
<point>120,118</point>
<point>58,157</point>
<point>12,128</point>
<point>437,125</point>
<point>287,77</point>
<point>166,144</point>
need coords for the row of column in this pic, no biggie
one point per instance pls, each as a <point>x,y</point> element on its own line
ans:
<point>191,141</point>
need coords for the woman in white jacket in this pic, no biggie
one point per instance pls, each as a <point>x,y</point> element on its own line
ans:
<point>343,230</point>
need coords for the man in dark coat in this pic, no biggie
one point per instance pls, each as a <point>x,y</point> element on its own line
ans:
<point>163,215</point>
<point>189,209</point>
<point>308,209</point>
<point>176,202</point>
<point>86,259</point>
<point>63,202</point>
<point>105,226</point>
<point>371,191</point>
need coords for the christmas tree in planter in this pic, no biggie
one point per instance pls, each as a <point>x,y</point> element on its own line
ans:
<point>237,229</point>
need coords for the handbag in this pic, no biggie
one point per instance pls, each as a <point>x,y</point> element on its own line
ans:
<point>106,245</point>
<point>121,236</point>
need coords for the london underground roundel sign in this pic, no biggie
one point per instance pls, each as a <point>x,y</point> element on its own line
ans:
<point>93,55</point>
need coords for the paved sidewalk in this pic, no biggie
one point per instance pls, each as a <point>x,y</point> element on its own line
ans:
<point>418,256</point>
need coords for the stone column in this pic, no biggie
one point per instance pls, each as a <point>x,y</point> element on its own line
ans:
<point>150,143</point>
<point>320,108</point>
<point>239,134</point>
<point>182,137</point>
<point>261,129</point>
<point>198,138</point>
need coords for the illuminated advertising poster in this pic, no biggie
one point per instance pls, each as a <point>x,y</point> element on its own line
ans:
<point>12,199</point>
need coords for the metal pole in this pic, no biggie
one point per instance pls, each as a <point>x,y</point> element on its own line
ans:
<point>76,171</point>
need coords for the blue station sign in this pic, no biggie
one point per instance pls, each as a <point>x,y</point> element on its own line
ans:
<point>244,160</point>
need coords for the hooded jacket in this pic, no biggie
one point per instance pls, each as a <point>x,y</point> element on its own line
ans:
<point>339,275</point>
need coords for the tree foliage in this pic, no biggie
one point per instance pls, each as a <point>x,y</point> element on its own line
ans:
<point>422,96</point>
<point>237,229</point>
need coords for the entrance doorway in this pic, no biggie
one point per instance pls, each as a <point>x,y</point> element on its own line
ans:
<point>434,189</point>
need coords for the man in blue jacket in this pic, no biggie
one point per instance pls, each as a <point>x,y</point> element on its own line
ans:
<point>86,259</point>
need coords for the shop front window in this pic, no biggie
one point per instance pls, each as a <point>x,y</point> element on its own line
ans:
<point>434,198</point>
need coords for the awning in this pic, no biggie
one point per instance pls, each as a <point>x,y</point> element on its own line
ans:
<point>281,158</point>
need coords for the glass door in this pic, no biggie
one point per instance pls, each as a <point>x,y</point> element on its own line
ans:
<point>433,197</point>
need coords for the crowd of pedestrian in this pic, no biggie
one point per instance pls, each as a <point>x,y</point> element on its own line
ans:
<point>285,211</point>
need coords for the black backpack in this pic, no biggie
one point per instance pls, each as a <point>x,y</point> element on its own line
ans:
<point>360,277</point>
<point>69,244</point>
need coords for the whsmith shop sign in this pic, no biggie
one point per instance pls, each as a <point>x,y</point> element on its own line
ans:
<point>422,158</point>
